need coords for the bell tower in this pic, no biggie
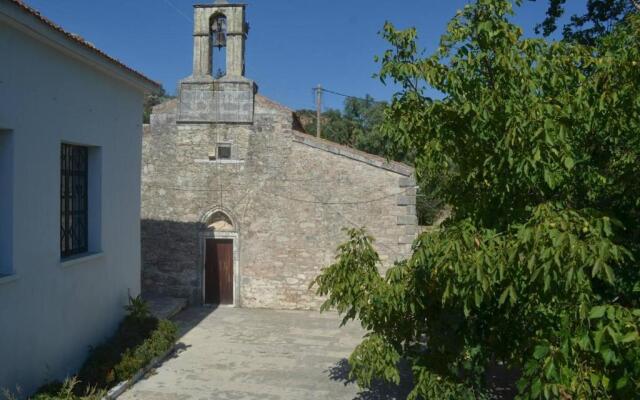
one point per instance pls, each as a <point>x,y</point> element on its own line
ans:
<point>230,98</point>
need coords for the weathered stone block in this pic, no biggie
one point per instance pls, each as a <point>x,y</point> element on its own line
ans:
<point>411,230</point>
<point>217,101</point>
<point>406,239</point>
<point>407,220</point>
<point>412,191</point>
<point>406,200</point>
<point>406,182</point>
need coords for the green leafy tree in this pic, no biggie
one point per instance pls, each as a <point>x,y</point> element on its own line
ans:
<point>600,18</point>
<point>335,127</point>
<point>151,100</point>
<point>536,147</point>
<point>358,125</point>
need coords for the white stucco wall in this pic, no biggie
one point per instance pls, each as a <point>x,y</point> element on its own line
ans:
<point>50,313</point>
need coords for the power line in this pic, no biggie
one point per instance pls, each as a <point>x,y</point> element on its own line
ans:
<point>277,180</point>
<point>183,15</point>
<point>317,201</point>
<point>336,203</point>
<point>356,225</point>
<point>348,96</point>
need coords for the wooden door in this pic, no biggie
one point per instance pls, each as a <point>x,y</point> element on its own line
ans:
<point>218,272</point>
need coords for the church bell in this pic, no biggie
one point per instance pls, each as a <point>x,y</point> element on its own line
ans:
<point>219,32</point>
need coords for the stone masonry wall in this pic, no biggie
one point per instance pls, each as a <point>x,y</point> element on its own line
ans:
<point>289,195</point>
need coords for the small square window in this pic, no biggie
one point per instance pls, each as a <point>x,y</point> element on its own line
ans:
<point>224,151</point>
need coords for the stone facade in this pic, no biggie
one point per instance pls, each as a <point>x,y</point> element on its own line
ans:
<point>284,197</point>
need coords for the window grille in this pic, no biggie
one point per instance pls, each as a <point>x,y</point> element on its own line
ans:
<point>224,152</point>
<point>74,184</point>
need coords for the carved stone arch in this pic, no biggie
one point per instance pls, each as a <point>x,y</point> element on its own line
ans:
<point>218,11</point>
<point>219,220</point>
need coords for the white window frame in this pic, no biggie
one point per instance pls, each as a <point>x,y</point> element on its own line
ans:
<point>7,201</point>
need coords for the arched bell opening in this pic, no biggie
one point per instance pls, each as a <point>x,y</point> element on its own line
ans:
<point>218,40</point>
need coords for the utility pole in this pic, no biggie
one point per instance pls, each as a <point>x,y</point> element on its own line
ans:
<point>318,111</point>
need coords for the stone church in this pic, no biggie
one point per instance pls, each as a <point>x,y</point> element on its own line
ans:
<point>240,206</point>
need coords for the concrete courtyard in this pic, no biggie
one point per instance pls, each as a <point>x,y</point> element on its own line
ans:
<point>242,354</point>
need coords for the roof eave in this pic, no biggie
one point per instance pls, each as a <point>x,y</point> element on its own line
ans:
<point>28,21</point>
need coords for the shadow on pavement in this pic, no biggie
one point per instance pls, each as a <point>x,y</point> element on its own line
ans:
<point>502,383</point>
<point>186,320</point>
<point>191,317</point>
<point>379,390</point>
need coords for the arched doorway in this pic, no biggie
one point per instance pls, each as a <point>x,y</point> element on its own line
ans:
<point>220,240</point>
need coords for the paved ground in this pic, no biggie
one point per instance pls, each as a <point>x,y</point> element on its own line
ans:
<point>240,354</point>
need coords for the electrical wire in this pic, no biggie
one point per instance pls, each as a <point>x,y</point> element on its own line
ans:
<point>183,15</point>
<point>252,190</point>
<point>335,203</point>
<point>372,100</point>
<point>341,202</point>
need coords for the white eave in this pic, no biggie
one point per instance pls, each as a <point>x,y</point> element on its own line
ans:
<point>25,19</point>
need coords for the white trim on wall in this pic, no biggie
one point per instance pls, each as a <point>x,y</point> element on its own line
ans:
<point>7,186</point>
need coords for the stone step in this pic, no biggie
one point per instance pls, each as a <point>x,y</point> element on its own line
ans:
<point>164,307</point>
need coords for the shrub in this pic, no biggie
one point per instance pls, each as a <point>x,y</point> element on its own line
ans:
<point>138,308</point>
<point>133,359</point>
<point>139,339</point>
<point>67,390</point>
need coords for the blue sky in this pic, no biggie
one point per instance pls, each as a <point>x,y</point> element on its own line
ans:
<point>293,45</point>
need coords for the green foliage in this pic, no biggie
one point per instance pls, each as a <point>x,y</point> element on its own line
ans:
<point>151,100</point>
<point>535,146</point>
<point>600,18</point>
<point>429,206</point>
<point>138,308</point>
<point>358,125</point>
<point>352,277</point>
<point>134,359</point>
<point>374,358</point>
<point>67,390</point>
<point>140,338</point>
<point>134,345</point>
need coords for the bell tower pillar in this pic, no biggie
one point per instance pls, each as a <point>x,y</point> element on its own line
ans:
<point>229,99</point>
